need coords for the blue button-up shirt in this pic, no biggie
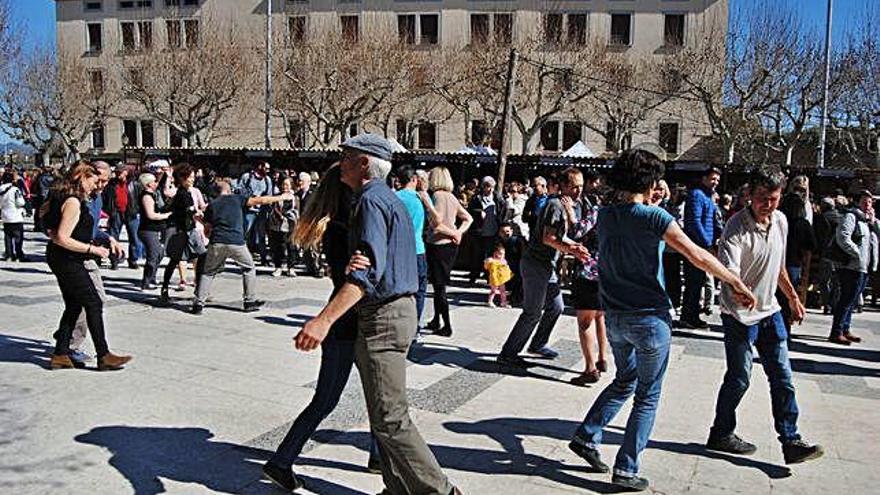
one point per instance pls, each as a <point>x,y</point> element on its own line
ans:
<point>382,230</point>
<point>95,206</point>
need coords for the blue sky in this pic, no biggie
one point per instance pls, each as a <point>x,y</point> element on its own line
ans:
<point>38,17</point>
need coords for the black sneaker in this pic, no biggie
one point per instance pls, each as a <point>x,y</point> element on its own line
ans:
<point>197,309</point>
<point>251,306</point>
<point>443,332</point>
<point>731,444</point>
<point>433,325</point>
<point>164,299</point>
<point>514,361</point>
<point>800,451</point>
<point>284,478</point>
<point>693,323</point>
<point>592,456</point>
<point>630,483</point>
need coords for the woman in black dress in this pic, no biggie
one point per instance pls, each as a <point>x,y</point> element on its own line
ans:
<point>67,216</point>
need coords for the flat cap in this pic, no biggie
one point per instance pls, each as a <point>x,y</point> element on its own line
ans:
<point>370,144</point>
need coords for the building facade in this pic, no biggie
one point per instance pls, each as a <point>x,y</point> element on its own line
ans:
<point>101,31</point>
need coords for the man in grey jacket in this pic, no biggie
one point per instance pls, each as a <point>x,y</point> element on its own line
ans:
<point>853,236</point>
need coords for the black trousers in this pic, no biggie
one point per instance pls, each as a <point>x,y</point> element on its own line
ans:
<point>482,250</point>
<point>672,262</point>
<point>79,294</point>
<point>282,250</point>
<point>13,240</point>
<point>440,258</point>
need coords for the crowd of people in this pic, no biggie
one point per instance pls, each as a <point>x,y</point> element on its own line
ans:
<point>637,255</point>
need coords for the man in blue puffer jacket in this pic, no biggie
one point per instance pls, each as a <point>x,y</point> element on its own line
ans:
<point>699,225</point>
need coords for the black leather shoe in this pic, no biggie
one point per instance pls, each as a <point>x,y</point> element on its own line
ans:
<point>630,483</point>
<point>284,478</point>
<point>800,451</point>
<point>731,444</point>
<point>592,456</point>
<point>251,306</point>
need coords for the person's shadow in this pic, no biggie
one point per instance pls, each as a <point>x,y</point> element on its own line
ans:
<point>146,455</point>
<point>15,349</point>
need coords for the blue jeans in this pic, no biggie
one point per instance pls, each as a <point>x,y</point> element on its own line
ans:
<point>794,275</point>
<point>423,285</point>
<point>852,284</point>
<point>640,344</point>
<point>116,222</point>
<point>773,351</point>
<point>542,302</point>
<point>337,357</point>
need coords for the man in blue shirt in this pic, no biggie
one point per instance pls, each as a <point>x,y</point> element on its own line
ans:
<point>383,289</point>
<point>699,225</point>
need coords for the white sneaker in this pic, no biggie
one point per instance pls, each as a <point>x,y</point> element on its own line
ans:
<point>276,272</point>
<point>78,355</point>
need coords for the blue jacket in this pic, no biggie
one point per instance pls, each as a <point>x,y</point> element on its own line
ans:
<point>699,217</point>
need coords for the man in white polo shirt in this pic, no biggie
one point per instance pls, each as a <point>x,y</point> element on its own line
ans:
<point>753,247</point>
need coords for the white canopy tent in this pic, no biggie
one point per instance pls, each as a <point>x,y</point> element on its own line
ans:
<point>579,150</point>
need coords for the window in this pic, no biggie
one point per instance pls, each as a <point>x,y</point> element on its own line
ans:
<point>93,6</point>
<point>552,28</point>
<point>135,77</point>
<point>668,138</point>
<point>577,29</point>
<point>479,29</point>
<point>137,35</point>
<point>298,131</point>
<point>175,138</point>
<point>350,27</point>
<point>500,25</point>
<point>296,29</point>
<point>403,135</point>
<point>427,133</point>
<point>138,133</point>
<point>95,37</point>
<point>611,138</point>
<point>574,26</point>
<point>673,29</point>
<point>182,32</point>
<point>191,28</point>
<point>131,4</point>
<point>172,28</point>
<point>621,25</point>
<point>96,83</point>
<point>550,136</point>
<point>422,29</point>
<point>503,28</point>
<point>572,132</point>
<point>480,134</point>
<point>178,3</point>
<point>98,138</point>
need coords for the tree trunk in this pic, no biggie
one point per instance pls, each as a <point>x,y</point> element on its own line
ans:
<point>789,150</point>
<point>730,151</point>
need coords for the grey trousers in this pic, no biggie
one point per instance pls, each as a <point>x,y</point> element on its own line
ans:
<point>385,334</point>
<point>81,327</point>
<point>541,306</point>
<point>215,260</point>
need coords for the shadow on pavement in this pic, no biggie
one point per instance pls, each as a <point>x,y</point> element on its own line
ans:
<point>14,349</point>
<point>24,269</point>
<point>146,455</point>
<point>293,320</point>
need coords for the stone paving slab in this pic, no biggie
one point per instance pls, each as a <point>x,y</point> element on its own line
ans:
<point>208,398</point>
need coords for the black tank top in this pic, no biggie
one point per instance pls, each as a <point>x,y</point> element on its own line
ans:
<point>82,232</point>
<point>146,223</point>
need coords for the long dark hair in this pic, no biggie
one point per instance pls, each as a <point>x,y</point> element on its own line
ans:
<point>319,210</point>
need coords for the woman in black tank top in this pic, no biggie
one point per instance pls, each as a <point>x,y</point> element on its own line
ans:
<point>70,223</point>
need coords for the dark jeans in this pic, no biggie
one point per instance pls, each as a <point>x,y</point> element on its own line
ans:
<point>542,304</point>
<point>423,286</point>
<point>154,251</point>
<point>115,224</point>
<point>13,241</point>
<point>337,358</point>
<point>672,262</point>
<point>640,344</point>
<point>852,283</point>
<point>79,294</point>
<point>694,280</point>
<point>257,237</point>
<point>773,352</point>
<point>282,250</point>
<point>440,258</point>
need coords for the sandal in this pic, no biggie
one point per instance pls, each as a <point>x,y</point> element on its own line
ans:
<point>602,365</point>
<point>586,378</point>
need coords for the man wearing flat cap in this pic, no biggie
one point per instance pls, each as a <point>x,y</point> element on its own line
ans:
<point>382,282</point>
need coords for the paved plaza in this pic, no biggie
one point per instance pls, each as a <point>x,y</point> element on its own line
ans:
<point>206,399</point>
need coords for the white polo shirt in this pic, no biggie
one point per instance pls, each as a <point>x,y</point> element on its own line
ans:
<point>756,253</point>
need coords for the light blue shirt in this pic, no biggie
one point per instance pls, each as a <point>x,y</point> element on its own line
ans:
<point>416,211</point>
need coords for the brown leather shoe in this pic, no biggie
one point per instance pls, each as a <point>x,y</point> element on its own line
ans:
<point>60,362</point>
<point>110,362</point>
<point>852,338</point>
<point>839,339</point>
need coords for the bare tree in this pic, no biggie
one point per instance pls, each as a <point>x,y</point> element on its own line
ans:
<point>205,73</point>
<point>332,83</point>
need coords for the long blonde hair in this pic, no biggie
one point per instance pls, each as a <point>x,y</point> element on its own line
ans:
<point>319,210</point>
